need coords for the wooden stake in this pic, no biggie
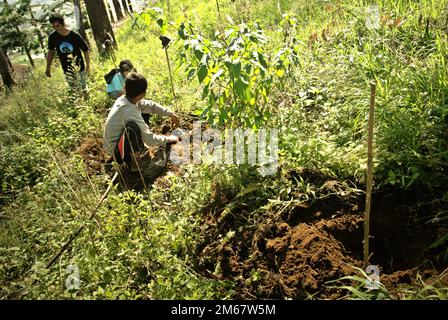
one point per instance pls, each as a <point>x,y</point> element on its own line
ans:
<point>76,234</point>
<point>169,69</point>
<point>369,173</point>
<point>219,10</point>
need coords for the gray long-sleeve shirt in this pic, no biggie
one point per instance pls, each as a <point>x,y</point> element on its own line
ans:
<point>123,111</point>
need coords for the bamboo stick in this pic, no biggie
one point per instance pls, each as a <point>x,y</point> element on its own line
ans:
<point>369,173</point>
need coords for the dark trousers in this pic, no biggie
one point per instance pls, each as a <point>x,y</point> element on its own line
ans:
<point>130,141</point>
<point>146,117</point>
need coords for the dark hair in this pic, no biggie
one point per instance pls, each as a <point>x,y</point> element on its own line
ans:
<point>56,17</point>
<point>135,84</point>
<point>126,66</point>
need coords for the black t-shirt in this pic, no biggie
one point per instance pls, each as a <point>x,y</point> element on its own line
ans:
<point>69,50</point>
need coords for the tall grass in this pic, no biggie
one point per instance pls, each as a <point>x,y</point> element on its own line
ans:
<point>141,245</point>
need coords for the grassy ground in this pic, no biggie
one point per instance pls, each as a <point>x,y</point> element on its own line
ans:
<point>148,245</point>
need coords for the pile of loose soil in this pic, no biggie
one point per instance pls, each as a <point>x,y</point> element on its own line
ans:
<point>294,253</point>
<point>21,73</point>
<point>94,155</point>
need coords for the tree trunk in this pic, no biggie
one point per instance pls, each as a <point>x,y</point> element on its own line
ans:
<point>28,54</point>
<point>100,24</point>
<point>82,30</point>
<point>109,11</point>
<point>5,51</point>
<point>118,11</point>
<point>131,10</point>
<point>5,70</point>
<point>125,6</point>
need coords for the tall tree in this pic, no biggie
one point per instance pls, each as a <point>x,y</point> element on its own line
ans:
<point>15,16</point>
<point>80,19</point>
<point>117,8</point>
<point>131,10</point>
<point>125,6</point>
<point>6,70</point>
<point>109,11</point>
<point>9,61</point>
<point>100,24</point>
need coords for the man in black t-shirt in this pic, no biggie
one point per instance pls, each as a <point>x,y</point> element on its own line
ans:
<point>68,45</point>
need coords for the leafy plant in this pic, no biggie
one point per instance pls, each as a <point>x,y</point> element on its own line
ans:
<point>238,74</point>
<point>154,14</point>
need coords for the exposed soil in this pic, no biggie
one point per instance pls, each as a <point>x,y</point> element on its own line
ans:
<point>294,252</point>
<point>21,73</point>
<point>95,157</point>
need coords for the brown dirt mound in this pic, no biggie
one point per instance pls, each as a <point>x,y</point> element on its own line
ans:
<point>294,253</point>
<point>309,255</point>
<point>21,73</point>
<point>94,155</point>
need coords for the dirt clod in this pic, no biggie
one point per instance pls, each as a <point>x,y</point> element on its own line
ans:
<point>94,155</point>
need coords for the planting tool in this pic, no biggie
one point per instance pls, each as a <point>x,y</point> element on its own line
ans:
<point>165,43</point>
<point>108,45</point>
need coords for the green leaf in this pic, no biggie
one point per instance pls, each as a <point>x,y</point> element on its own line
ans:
<point>240,87</point>
<point>198,53</point>
<point>181,32</point>
<point>163,29</point>
<point>236,69</point>
<point>160,22</point>
<point>205,111</point>
<point>439,242</point>
<point>262,60</point>
<point>280,73</point>
<point>205,91</point>
<point>248,68</point>
<point>202,73</point>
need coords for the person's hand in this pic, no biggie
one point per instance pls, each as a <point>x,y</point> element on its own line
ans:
<point>48,73</point>
<point>175,121</point>
<point>172,139</point>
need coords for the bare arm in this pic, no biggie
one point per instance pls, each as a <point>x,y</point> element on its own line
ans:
<point>151,107</point>
<point>50,57</point>
<point>148,106</point>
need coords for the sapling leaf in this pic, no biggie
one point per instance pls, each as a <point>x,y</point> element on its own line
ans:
<point>236,69</point>
<point>198,52</point>
<point>202,73</point>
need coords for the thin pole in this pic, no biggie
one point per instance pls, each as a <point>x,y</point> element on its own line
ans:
<point>169,69</point>
<point>369,173</point>
<point>219,10</point>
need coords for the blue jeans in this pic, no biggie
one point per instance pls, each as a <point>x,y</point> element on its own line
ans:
<point>77,82</point>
